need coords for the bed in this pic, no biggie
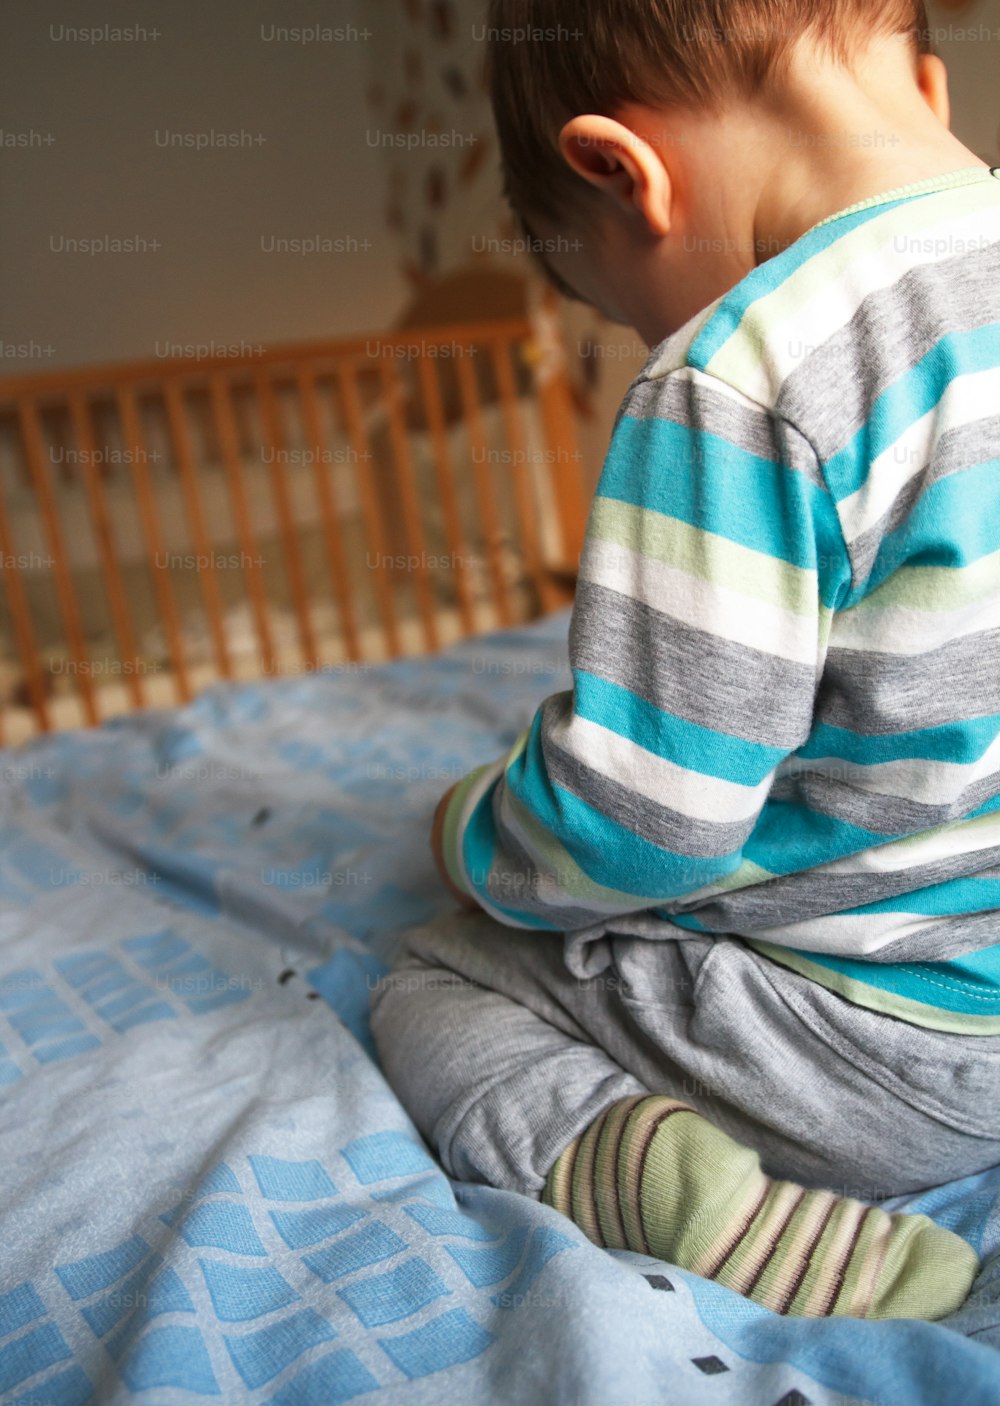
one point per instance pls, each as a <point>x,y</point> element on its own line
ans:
<point>210,1192</point>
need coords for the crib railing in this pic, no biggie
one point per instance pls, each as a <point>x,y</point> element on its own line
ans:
<point>433,452</point>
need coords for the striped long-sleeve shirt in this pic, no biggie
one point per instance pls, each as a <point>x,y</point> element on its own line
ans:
<point>785,647</point>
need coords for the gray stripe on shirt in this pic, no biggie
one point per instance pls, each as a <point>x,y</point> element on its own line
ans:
<point>663,660</point>
<point>835,388</point>
<point>653,820</point>
<point>961,448</point>
<point>878,694</point>
<point>808,894</point>
<point>695,405</point>
<point>875,810</point>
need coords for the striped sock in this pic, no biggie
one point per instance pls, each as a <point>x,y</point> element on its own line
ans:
<point>652,1175</point>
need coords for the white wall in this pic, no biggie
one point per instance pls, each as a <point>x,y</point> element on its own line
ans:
<point>103,173</point>
<point>967,36</point>
<point>102,104</point>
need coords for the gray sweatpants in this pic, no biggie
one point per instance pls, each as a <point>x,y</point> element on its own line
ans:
<point>502,1056</point>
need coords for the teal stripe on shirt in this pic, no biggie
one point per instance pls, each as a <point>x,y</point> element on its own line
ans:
<point>770,275</point>
<point>688,920</point>
<point>908,400</point>
<point>735,494</point>
<point>968,894</point>
<point>973,533</point>
<point>932,984</point>
<point>789,837</point>
<point>478,852</point>
<point>687,744</point>
<point>960,742</point>
<point>607,852</point>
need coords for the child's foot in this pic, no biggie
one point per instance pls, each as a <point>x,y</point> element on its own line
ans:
<point>652,1175</point>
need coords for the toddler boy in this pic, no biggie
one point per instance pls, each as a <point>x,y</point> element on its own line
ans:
<point>730,965</point>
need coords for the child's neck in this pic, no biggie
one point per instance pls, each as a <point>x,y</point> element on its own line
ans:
<point>840,137</point>
<point>751,180</point>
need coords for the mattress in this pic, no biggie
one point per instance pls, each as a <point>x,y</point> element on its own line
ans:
<point>210,1192</point>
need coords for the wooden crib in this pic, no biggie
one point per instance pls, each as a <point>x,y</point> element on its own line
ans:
<point>243,511</point>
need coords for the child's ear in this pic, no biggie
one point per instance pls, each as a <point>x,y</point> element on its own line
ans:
<point>932,80</point>
<point>621,165</point>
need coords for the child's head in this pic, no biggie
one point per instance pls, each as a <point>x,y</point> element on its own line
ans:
<point>631,127</point>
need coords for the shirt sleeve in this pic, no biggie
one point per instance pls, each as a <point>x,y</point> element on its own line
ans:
<point>712,565</point>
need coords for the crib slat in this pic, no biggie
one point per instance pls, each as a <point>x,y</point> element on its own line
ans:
<point>32,435</point>
<point>21,620</point>
<point>110,566</point>
<point>347,382</point>
<point>445,474</point>
<point>392,391</point>
<point>225,427</point>
<point>484,488</point>
<point>194,512</point>
<point>525,502</point>
<point>274,439</point>
<point>329,517</point>
<point>390,492</point>
<point>152,537</point>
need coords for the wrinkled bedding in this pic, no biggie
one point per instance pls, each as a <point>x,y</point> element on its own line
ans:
<point>210,1192</point>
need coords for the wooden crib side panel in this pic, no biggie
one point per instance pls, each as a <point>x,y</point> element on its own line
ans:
<point>357,460</point>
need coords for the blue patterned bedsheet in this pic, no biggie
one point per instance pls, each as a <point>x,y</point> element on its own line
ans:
<point>209,1192</point>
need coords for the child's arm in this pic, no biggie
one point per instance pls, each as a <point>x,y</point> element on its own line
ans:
<point>437,837</point>
<point>713,561</point>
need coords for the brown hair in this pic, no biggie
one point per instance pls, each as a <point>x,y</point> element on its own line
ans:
<point>550,60</point>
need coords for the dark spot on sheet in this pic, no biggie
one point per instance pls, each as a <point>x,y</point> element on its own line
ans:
<point>711,1366</point>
